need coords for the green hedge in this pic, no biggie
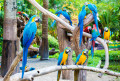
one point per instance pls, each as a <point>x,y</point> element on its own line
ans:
<point>53,42</point>
<point>113,55</point>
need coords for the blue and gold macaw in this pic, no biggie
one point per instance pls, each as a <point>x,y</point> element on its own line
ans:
<point>106,34</point>
<point>65,14</point>
<point>81,16</point>
<point>81,59</point>
<point>95,34</point>
<point>62,59</point>
<point>93,8</point>
<point>28,36</point>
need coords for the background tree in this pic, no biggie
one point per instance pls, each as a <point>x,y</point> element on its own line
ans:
<point>44,47</point>
<point>9,35</point>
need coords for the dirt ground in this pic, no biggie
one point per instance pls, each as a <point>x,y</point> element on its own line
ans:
<point>91,76</point>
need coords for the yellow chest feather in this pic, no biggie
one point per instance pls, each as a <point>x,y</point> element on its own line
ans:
<point>107,35</point>
<point>64,59</point>
<point>81,60</point>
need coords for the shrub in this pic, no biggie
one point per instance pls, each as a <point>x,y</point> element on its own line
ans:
<point>53,42</point>
<point>113,55</point>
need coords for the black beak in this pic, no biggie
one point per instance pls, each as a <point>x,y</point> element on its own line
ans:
<point>38,20</point>
<point>86,52</point>
<point>106,30</point>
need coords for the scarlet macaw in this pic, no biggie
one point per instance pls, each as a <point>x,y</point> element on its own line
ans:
<point>81,16</point>
<point>24,14</point>
<point>81,59</point>
<point>88,29</point>
<point>28,36</point>
<point>65,14</point>
<point>93,8</point>
<point>62,59</point>
<point>95,34</point>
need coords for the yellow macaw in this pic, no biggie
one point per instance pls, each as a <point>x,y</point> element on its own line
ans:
<point>81,59</point>
<point>62,59</point>
<point>106,33</point>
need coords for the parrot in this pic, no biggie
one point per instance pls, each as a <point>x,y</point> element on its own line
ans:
<point>24,14</point>
<point>88,29</point>
<point>81,59</point>
<point>28,36</point>
<point>81,16</point>
<point>62,59</point>
<point>95,34</point>
<point>93,8</point>
<point>65,14</point>
<point>106,34</point>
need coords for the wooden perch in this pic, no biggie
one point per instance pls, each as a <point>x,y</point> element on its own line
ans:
<point>31,74</point>
<point>15,63</point>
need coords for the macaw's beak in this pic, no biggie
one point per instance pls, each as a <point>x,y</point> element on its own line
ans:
<point>38,20</point>
<point>68,50</point>
<point>86,52</point>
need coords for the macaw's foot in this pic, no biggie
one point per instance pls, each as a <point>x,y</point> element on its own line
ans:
<point>77,65</point>
<point>90,11</point>
<point>61,66</point>
<point>66,66</point>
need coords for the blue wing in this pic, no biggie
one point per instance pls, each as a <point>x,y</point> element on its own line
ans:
<point>60,58</point>
<point>78,57</point>
<point>29,34</point>
<point>59,12</point>
<point>67,16</point>
<point>54,21</point>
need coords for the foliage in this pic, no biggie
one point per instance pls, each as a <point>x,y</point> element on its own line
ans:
<point>53,42</point>
<point>113,55</point>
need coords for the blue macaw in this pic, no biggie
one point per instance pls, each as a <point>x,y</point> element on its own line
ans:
<point>28,36</point>
<point>81,16</point>
<point>58,14</point>
<point>95,34</point>
<point>93,8</point>
<point>65,14</point>
<point>81,59</point>
<point>62,59</point>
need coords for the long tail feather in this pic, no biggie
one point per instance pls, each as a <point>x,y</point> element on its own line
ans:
<point>54,21</point>
<point>92,48</point>
<point>81,33</point>
<point>58,75</point>
<point>76,72</point>
<point>96,21</point>
<point>70,22</point>
<point>24,61</point>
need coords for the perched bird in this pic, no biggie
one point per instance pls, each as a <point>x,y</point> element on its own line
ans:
<point>62,59</point>
<point>93,8</point>
<point>81,16</point>
<point>65,14</point>
<point>106,34</point>
<point>28,36</point>
<point>81,59</point>
<point>95,34</point>
<point>88,29</point>
<point>24,14</point>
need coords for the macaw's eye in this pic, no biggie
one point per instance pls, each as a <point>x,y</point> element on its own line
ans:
<point>37,19</point>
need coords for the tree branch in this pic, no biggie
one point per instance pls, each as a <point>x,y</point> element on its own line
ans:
<point>15,63</point>
<point>31,74</point>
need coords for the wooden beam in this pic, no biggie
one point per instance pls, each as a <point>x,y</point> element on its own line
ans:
<point>31,74</point>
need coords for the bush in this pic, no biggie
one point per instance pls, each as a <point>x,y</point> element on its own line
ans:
<point>113,55</point>
<point>53,42</point>
<point>1,39</point>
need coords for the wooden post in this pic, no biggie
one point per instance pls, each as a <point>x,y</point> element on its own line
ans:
<point>9,35</point>
<point>64,41</point>
<point>44,48</point>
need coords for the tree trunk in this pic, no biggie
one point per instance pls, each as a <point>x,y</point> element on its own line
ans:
<point>9,36</point>
<point>64,41</point>
<point>44,47</point>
